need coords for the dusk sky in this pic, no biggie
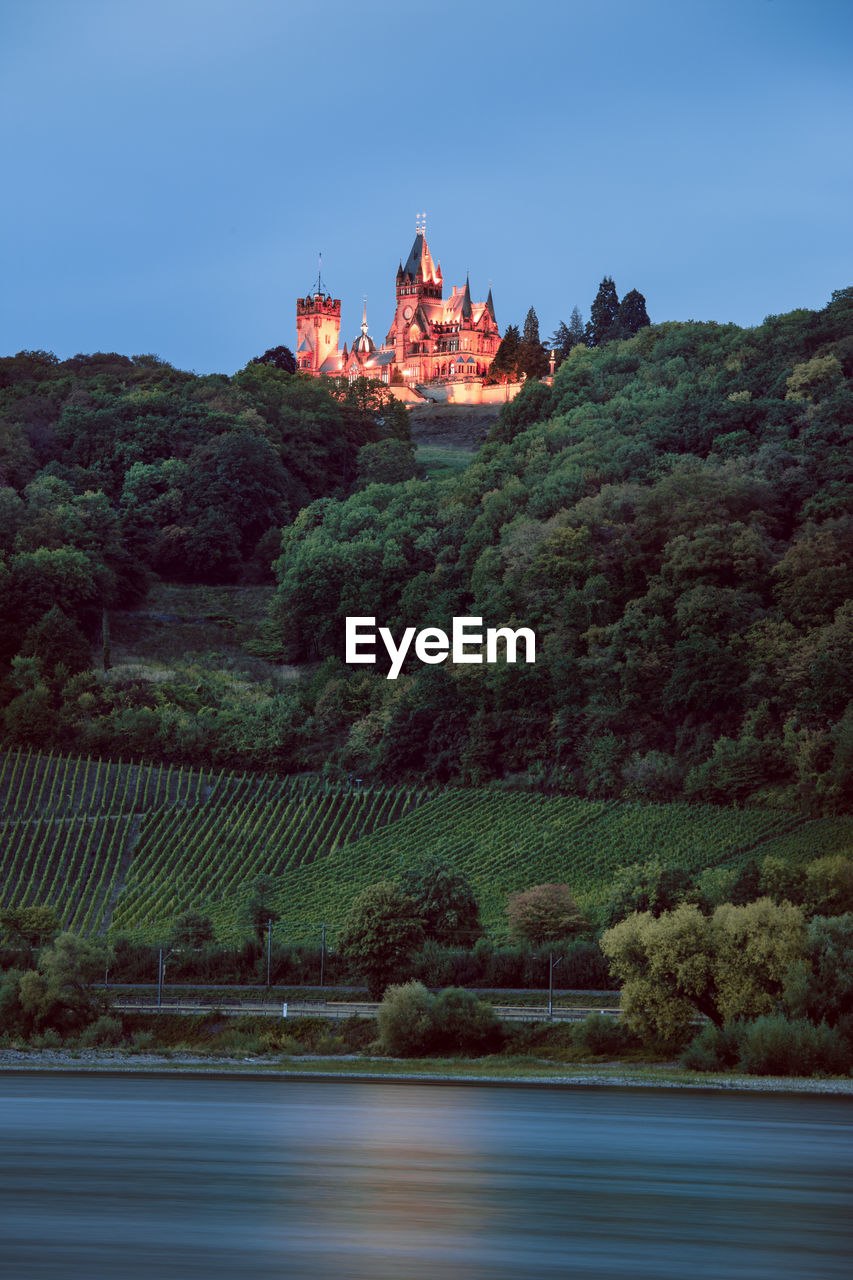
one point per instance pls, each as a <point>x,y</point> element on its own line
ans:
<point>172,168</point>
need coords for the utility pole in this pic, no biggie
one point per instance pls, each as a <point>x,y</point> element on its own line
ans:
<point>269,948</point>
<point>552,964</point>
<point>322,953</point>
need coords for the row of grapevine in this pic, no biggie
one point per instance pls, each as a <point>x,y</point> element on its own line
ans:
<point>215,850</point>
<point>70,863</point>
<point>130,846</point>
<point>504,842</point>
<point>34,783</point>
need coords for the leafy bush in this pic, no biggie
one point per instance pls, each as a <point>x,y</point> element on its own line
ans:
<point>142,1042</point>
<point>602,1035</point>
<point>405,1020</point>
<point>106,1031</point>
<point>713,1049</point>
<point>464,1024</point>
<point>774,1045</point>
<point>412,1022</point>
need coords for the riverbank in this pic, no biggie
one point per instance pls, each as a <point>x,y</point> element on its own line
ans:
<point>436,1070</point>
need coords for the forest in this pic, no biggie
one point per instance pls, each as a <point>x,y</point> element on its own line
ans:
<point>672,516</point>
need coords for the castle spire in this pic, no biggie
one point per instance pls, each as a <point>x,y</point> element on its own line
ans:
<point>466,301</point>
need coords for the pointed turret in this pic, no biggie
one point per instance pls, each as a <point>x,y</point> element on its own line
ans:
<point>364,345</point>
<point>400,274</point>
<point>466,301</point>
<point>490,306</point>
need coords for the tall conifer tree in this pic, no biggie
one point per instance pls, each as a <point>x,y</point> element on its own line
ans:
<point>532,359</point>
<point>602,314</point>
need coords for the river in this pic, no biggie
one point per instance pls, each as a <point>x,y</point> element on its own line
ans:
<point>119,1177</point>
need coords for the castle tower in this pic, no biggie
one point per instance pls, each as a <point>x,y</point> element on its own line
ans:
<point>419,287</point>
<point>318,331</point>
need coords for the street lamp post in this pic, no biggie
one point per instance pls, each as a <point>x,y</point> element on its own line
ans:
<point>161,973</point>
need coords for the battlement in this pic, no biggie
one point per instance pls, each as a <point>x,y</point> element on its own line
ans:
<point>318,304</point>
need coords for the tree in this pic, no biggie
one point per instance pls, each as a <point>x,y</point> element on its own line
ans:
<point>645,886</point>
<point>388,461</point>
<point>504,367</point>
<point>193,930</point>
<point>29,926</point>
<point>576,328</point>
<point>567,336</point>
<point>820,985</point>
<point>444,901</point>
<point>380,933</point>
<point>280,357</point>
<point>601,326</point>
<point>544,913</point>
<point>727,966</point>
<point>532,359</point>
<point>65,990</point>
<point>260,908</point>
<point>56,640</point>
<point>632,315</point>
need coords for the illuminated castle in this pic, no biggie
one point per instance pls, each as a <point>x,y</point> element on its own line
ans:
<point>431,339</point>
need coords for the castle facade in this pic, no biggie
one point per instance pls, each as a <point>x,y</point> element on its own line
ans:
<point>432,339</point>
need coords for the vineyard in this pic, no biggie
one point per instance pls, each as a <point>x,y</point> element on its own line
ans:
<point>126,847</point>
<point>503,842</point>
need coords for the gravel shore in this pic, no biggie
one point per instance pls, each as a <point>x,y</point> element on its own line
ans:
<point>355,1067</point>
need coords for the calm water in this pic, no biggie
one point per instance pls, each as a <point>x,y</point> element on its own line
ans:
<point>173,1178</point>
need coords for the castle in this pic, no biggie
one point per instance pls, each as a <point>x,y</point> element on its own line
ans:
<point>446,341</point>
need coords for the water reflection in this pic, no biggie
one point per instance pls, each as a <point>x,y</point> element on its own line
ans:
<point>119,1178</point>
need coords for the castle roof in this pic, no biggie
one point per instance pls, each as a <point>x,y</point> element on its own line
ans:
<point>420,260</point>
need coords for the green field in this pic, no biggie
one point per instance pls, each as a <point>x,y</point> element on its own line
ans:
<point>126,847</point>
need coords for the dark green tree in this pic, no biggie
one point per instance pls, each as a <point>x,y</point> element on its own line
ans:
<point>601,326</point>
<point>504,367</point>
<point>260,907</point>
<point>532,356</point>
<point>444,901</point>
<point>56,640</point>
<point>280,357</point>
<point>381,932</point>
<point>576,328</point>
<point>646,886</point>
<point>567,336</point>
<point>632,315</point>
<point>192,930</point>
<point>29,926</point>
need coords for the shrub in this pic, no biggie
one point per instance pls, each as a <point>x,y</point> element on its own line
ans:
<point>774,1045</point>
<point>464,1024</point>
<point>405,1021</point>
<point>600,1034</point>
<point>412,1022</point>
<point>106,1031</point>
<point>49,1039</point>
<point>142,1042</point>
<point>713,1049</point>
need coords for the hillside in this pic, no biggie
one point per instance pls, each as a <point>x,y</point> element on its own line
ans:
<point>126,848</point>
<point>672,518</point>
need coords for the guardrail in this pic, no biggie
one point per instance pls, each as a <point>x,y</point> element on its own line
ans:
<point>339,1009</point>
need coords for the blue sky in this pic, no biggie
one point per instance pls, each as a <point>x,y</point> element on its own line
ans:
<point>173,167</point>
